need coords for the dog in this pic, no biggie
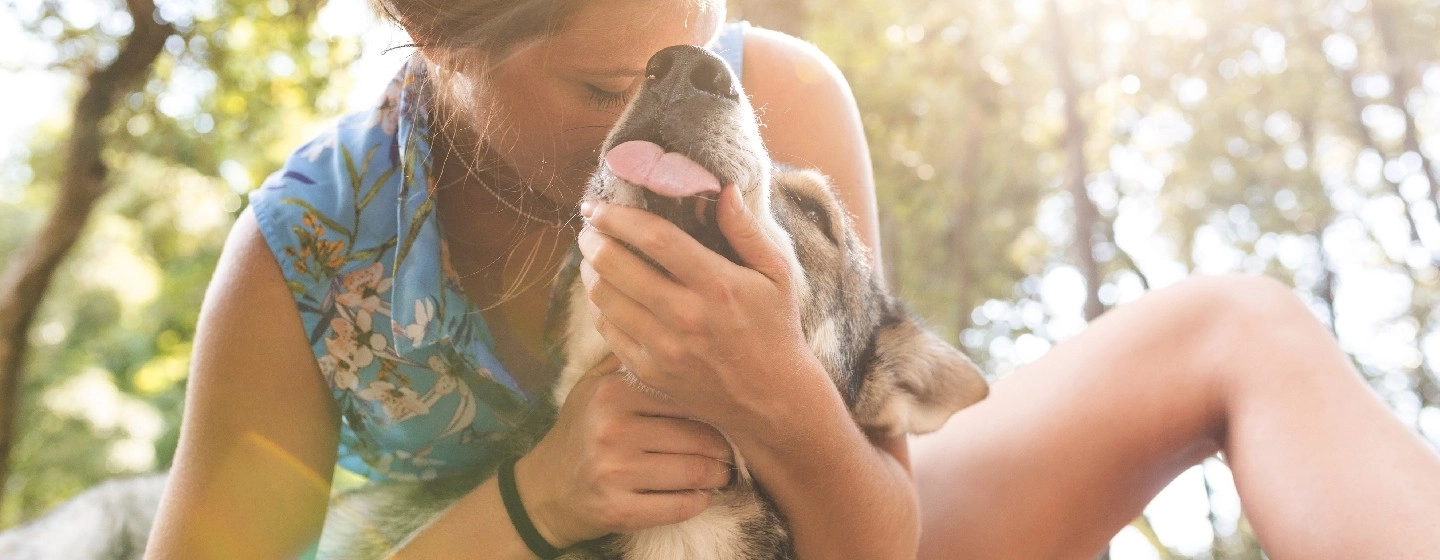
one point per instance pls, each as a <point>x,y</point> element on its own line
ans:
<point>110,521</point>
<point>894,375</point>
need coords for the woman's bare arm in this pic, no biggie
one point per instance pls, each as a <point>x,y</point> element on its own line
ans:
<point>257,446</point>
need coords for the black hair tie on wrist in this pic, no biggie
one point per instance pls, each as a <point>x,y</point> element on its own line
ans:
<point>510,494</point>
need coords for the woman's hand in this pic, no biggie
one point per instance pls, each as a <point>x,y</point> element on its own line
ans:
<point>619,460</point>
<point>718,338</point>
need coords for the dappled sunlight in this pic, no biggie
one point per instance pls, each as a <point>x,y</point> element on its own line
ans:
<point>285,500</point>
<point>93,397</point>
<point>1258,137</point>
<point>1295,139</point>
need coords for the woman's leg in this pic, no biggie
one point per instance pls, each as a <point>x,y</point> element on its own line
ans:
<point>1069,449</point>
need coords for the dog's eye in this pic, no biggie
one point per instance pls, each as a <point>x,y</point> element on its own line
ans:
<point>815,213</point>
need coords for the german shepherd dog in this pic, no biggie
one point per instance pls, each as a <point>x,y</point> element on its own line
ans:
<point>895,376</point>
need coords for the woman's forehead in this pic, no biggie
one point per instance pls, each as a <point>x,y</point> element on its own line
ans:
<point>611,35</point>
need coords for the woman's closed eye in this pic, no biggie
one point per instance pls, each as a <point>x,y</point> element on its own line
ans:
<point>604,99</point>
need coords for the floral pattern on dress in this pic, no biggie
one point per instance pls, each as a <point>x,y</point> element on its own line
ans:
<point>409,360</point>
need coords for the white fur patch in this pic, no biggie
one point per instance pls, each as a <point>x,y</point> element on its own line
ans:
<point>584,347</point>
<point>715,534</point>
<point>824,342</point>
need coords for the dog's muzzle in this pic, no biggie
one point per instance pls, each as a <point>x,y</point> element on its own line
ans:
<point>661,148</point>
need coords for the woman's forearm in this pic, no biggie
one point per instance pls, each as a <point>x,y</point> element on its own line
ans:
<point>843,496</point>
<point>479,517</point>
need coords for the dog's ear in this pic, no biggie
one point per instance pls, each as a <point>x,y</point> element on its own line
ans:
<point>915,380</point>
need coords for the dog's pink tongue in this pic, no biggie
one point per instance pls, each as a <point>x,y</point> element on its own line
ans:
<point>667,174</point>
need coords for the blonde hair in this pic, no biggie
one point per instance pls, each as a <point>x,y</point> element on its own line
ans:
<point>484,28</point>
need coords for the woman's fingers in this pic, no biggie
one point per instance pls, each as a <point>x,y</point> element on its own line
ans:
<point>682,436</point>
<point>632,296</point>
<point>653,509</point>
<point>665,472</point>
<point>621,319</point>
<point>689,262</point>
<point>748,238</point>
<point>608,365</point>
<point>625,270</point>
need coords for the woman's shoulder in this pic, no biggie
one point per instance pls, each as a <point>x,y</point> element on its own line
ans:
<point>800,94</point>
<point>794,85</point>
<point>779,63</point>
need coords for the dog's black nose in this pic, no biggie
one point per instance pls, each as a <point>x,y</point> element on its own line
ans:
<point>684,70</point>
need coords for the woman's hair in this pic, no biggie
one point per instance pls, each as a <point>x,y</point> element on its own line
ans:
<point>479,29</point>
<point>460,42</point>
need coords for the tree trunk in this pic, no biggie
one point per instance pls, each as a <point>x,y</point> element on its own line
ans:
<point>788,16</point>
<point>962,229</point>
<point>1367,139</point>
<point>1381,12</point>
<point>1324,286</point>
<point>1399,69</point>
<point>83,181</point>
<point>1086,214</point>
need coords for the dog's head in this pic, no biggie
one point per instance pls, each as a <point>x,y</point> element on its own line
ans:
<point>896,376</point>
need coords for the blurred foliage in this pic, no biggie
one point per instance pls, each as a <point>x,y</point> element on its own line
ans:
<point>239,85</point>
<point>1231,135</point>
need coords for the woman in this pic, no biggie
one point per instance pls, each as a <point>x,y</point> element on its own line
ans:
<point>344,316</point>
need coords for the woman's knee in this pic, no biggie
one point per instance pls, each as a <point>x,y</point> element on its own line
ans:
<point>1245,305</point>
<point>1249,327</point>
<point>1249,314</point>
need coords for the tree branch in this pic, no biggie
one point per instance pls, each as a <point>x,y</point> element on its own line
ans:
<point>1086,214</point>
<point>83,181</point>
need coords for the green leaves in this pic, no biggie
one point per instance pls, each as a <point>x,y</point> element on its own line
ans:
<point>237,88</point>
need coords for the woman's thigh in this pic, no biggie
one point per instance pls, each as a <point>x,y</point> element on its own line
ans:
<point>1066,450</point>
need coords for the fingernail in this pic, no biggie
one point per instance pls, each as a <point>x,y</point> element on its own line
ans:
<point>587,208</point>
<point>739,206</point>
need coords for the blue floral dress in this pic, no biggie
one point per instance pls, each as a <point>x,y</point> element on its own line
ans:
<point>408,358</point>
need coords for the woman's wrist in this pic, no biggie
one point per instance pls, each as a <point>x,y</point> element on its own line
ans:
<point>786,409</point>
<point>455,531</point>
<point>519,518</point>
<point>545,511</point>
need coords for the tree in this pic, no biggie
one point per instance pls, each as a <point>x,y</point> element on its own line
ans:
<point>231,88</point>
<point>27,278</point>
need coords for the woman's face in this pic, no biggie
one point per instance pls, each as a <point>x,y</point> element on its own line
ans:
<point>558,96</point>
